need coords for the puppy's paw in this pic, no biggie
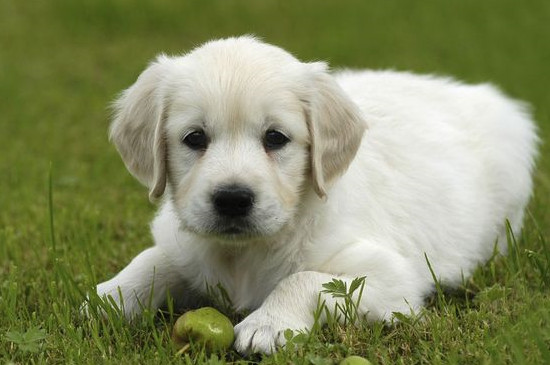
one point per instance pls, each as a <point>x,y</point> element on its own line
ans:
<point>98,306</point>
<point>112,299</point>
<point>262,332</point>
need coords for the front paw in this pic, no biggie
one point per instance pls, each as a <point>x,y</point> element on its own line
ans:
<point>113,299</point>
<point>263,332</point>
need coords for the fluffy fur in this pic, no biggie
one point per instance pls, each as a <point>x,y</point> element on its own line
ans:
<point>381,169</point>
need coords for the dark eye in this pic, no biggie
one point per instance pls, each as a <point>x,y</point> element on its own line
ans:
<point>196,140</point>
<point>274,140</point>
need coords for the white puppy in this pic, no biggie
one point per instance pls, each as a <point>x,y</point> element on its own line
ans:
<point>277,176</point>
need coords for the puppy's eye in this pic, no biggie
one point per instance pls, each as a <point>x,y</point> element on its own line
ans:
<point>196,140</point>
<point>274,140</point>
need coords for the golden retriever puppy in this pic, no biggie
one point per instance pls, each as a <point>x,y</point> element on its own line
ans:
<point>275,176</point>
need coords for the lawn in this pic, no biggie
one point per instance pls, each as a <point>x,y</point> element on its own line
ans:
<point>71,215</point>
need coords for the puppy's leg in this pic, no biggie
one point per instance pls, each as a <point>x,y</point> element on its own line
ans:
<point>391,286</point>
<point>143,283</point>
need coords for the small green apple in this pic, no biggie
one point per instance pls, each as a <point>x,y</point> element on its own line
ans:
<point>355,360</point>
<point>206,326</point>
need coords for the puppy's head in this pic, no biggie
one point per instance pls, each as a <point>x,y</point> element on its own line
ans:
<point>237,131</point>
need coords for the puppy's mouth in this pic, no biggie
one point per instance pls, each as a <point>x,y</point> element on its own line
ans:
<point>234,228</point>
<point>259,224</point>
<point>232,231</point>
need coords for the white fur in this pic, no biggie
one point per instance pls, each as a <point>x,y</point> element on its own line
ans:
<point>439,169</point>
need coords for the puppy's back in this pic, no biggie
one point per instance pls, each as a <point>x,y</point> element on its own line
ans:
<point>442,166</point>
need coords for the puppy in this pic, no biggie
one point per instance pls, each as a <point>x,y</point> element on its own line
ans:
<point>276,176</point>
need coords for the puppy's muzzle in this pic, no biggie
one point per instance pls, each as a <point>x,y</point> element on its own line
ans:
<point>233,201</point>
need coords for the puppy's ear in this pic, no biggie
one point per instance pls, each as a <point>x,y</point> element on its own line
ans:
<point>138,130</point>
<point>336,128</point>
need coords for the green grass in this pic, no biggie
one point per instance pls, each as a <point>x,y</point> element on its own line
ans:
<point>63,61</point>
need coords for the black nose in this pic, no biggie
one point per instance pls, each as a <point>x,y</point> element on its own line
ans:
<point>233,201</point>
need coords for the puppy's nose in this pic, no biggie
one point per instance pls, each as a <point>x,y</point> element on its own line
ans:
<point>233,200</point>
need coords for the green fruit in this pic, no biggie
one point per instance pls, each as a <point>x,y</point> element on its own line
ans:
<point>355,360</point>
<point>206,326</point>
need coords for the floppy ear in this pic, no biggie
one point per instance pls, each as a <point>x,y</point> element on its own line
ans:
<point>336,128</point>
<point>138,130</point>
